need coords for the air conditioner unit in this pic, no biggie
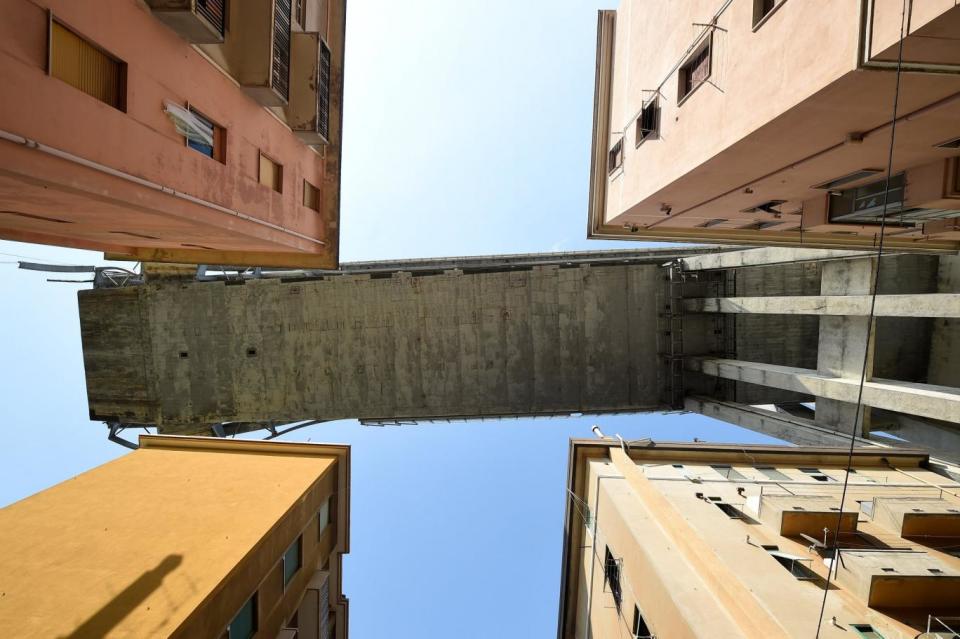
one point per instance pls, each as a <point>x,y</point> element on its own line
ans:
<point>196,21</point>
<point>308,110</point>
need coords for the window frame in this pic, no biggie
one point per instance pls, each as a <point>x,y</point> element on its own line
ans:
<point>307,187</point>
<point>615,153</point>
<point>640,624</point>
<point>253,599</point>
<point>219,136</point>
<point>684,69</point>
<point>612,575</point>
<point>121,104</point>
<point>654,133</point>
<point>759,21</point>
<point>279,167</point>
<point>298,545</point>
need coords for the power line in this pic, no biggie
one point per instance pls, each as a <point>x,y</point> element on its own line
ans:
<point>870,322</point>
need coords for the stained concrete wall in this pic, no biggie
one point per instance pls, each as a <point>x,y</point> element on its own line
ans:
<point>514,342</point>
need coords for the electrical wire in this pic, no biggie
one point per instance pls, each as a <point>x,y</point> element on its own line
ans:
<point>870,322</point>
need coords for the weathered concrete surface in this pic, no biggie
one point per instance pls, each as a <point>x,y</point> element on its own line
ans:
<point>924,400</point>
<point>919,305</point>
<point>847,343</point>
<point>764,257</point>
<point>537,341</point>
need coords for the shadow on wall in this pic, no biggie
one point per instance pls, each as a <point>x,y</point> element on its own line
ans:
<point>116,610</point>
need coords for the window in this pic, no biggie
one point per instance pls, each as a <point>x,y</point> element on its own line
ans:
<point>727,472</point>
<point>772,473</point>
<point>86,67</point>
<point>640,629</point>
<point>615,157</point>
<point>866,631</point>
<point>695,70</point>
<point>271,174</point>
<point>299,13</point>
<point>870,203</point>
<point>215,12</point>
<point>323,92</point>
<point>792,563</point>
<point>311,196</point>
<point>291,560</point>
<point>280,67</point>
<point>611,575</point>
<point>761,9</point>
<point>323,517</point>
<point>211,140</point>
<point>732,511</point>
<point>816,474</point>
<point>648,124</point>
<point>244,623</point>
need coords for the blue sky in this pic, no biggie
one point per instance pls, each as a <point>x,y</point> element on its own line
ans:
<point>467,132</point>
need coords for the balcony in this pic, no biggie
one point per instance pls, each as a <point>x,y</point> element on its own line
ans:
<point>916,517</point>
<point>308,110</point>
<point>898,579</point>
<point>793,515</point>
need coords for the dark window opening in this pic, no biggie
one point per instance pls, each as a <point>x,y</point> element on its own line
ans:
<point>292,561</point>
<point>251,352</point>
<point>244,623</point>
<point>640,628</point>
<point>866,631</point>
<point>816,474</point>
<point>648,124</point>
<point>184,354</point>
<point>761,9</point>
<point>611,575</point>
<point>311,196</point>
<point>732,511</point>
<point>615,157</point>
<point>793,564</point>
<point>696,70</point>
<point>713,222</point>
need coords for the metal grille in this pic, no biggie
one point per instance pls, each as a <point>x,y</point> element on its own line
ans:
<point>323,92</point>
<point>281,48</point>
<point>214,12</point>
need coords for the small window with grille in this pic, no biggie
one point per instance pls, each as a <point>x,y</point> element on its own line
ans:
<point>640,628</point>
<point>695,70</point>
<point>615,157</point>
<point>611,576</point>
<point>648,124</point>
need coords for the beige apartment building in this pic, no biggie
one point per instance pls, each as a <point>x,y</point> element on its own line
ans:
<point>681,540</point>
<point>184,537</point>
<point>768,122</point>
<point>196,131</point>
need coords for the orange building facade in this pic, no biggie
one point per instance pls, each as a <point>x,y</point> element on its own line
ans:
<point>198,131</point>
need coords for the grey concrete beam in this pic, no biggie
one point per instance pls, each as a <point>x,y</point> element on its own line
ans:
<point>930,305</point>
<point>764,257</point>
<point>783,426</point>
<point>925,400</point>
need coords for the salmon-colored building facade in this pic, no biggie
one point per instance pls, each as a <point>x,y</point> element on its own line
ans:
<point>197,131</point>
<point>769,122</point>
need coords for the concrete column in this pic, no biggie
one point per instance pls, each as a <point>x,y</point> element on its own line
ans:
<point>795,430</point>
<point>924,400</point>
<point>846,342</point>
<point>929,305</point>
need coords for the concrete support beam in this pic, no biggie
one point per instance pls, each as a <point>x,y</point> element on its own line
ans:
<point>764,257</point>
<point>846,344</point>
<point>931,305</point>
<point>795,430</point>
<point>924,400</point>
